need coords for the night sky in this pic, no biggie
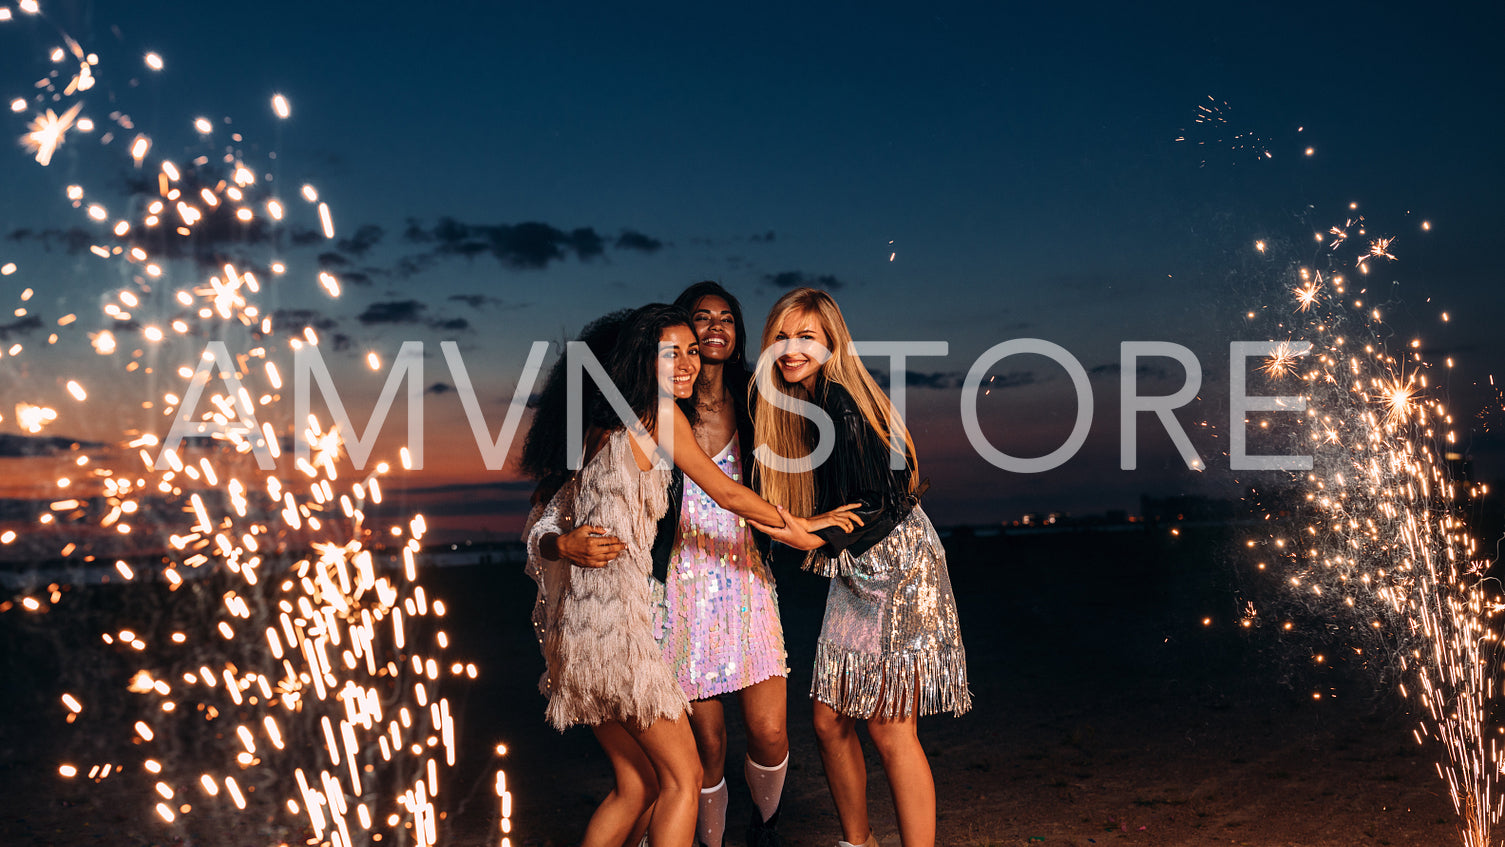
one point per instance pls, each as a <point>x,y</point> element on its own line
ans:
<point>503,173</point>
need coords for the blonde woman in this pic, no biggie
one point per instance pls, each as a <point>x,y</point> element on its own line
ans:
<point>890,648</point>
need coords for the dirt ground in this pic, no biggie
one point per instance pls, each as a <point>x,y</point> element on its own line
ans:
<point>1106,712</point>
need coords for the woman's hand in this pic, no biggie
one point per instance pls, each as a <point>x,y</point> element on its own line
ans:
<point>794,532</point>
<point>589,546</point>
<point>840,517</point>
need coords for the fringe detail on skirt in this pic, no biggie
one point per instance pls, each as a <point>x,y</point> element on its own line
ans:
<point>862,685</point>
<point>822,564</point>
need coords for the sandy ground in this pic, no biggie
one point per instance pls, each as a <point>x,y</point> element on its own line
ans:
<point>1106,712</point>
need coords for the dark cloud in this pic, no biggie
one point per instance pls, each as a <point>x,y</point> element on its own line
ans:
<point>366,236</point>
<point>477,301</point>
<point>800,279</point>
<point>531,245</point>
<point>763,238</point>
<point>453,324</point>
<point>305,237</point>
<point>439,388</point>
<point>1144,370</point>
<point>218,238</point>
<point>299,318</point>
<point>414,232</point>
<point>631,239</point>
<point>24,326</point>
<point>393,312</point>
<point>330,260</point>
<point>916,379</point>
<point>73,240</point>
<point>1012,379</point>
<point>412,265</point>
<point>922,379</point>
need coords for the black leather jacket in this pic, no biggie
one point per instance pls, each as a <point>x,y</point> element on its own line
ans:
<point>668,525</point>
<point>858,472</point>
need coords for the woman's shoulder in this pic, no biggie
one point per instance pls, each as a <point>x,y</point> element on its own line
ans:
<point>836,399</point>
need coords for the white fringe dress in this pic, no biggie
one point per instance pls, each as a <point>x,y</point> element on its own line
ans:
<point>604,664</point>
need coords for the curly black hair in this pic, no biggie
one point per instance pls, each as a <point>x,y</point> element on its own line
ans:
<point>544,448</point>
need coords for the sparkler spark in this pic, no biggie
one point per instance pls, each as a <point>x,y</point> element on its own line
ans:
<point>292,668</point>
<point>1380,539</point>
<point>1283,360</point>
<point>48,131</point>
<point>1212,129</point>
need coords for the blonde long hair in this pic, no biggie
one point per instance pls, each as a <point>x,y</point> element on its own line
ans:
<point>787,433</point>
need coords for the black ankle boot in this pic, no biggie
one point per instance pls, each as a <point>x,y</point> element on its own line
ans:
<point>761,833</point>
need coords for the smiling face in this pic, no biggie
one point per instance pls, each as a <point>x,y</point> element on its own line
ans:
<point>678,361</point>
<point>800,363</point>
<point>716,327</point>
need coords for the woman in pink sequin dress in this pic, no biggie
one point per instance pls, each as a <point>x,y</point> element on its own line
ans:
<point>719,626</point>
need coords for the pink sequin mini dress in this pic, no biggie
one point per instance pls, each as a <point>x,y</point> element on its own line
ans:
<point>719,625</point>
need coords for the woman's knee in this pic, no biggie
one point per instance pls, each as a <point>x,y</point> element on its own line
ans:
<point>684,775</point>
<point>767,732</point>
<point>831,726</point>
<point>892,737</point>
<point>711,748</point>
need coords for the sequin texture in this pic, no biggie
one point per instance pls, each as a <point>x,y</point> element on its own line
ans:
<point>719,624</point>
<point>891,629</point>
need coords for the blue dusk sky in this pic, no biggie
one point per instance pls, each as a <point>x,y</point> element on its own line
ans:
<point>502,173</point>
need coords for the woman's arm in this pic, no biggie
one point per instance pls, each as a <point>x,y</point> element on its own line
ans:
<point>730,494</point>
<point>553,536</point>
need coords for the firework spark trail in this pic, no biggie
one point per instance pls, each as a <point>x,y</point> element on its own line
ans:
<point>1381,540</point>
<point>300,669</point>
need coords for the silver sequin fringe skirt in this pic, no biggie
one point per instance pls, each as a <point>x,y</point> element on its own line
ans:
<point>890,645</point>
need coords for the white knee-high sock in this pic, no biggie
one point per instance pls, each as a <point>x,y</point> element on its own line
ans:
<point>766,785</point>
<point>710,823</point>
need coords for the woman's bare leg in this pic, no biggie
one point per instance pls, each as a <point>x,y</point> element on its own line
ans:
<point>670,746</point>
<point>765,710</point>
<point>846,772</point>
<point>708,723</point>
<point>909,777</point>
<point>622,815</point>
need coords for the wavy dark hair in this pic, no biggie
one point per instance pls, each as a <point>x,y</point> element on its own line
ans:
<point>544,448</point>
<point>634,367</point>
<point>736,373</point>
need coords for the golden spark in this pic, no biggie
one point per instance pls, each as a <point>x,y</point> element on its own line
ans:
<point>47,133</point>
<point>1282,361</point>
<point>1306,295</point>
